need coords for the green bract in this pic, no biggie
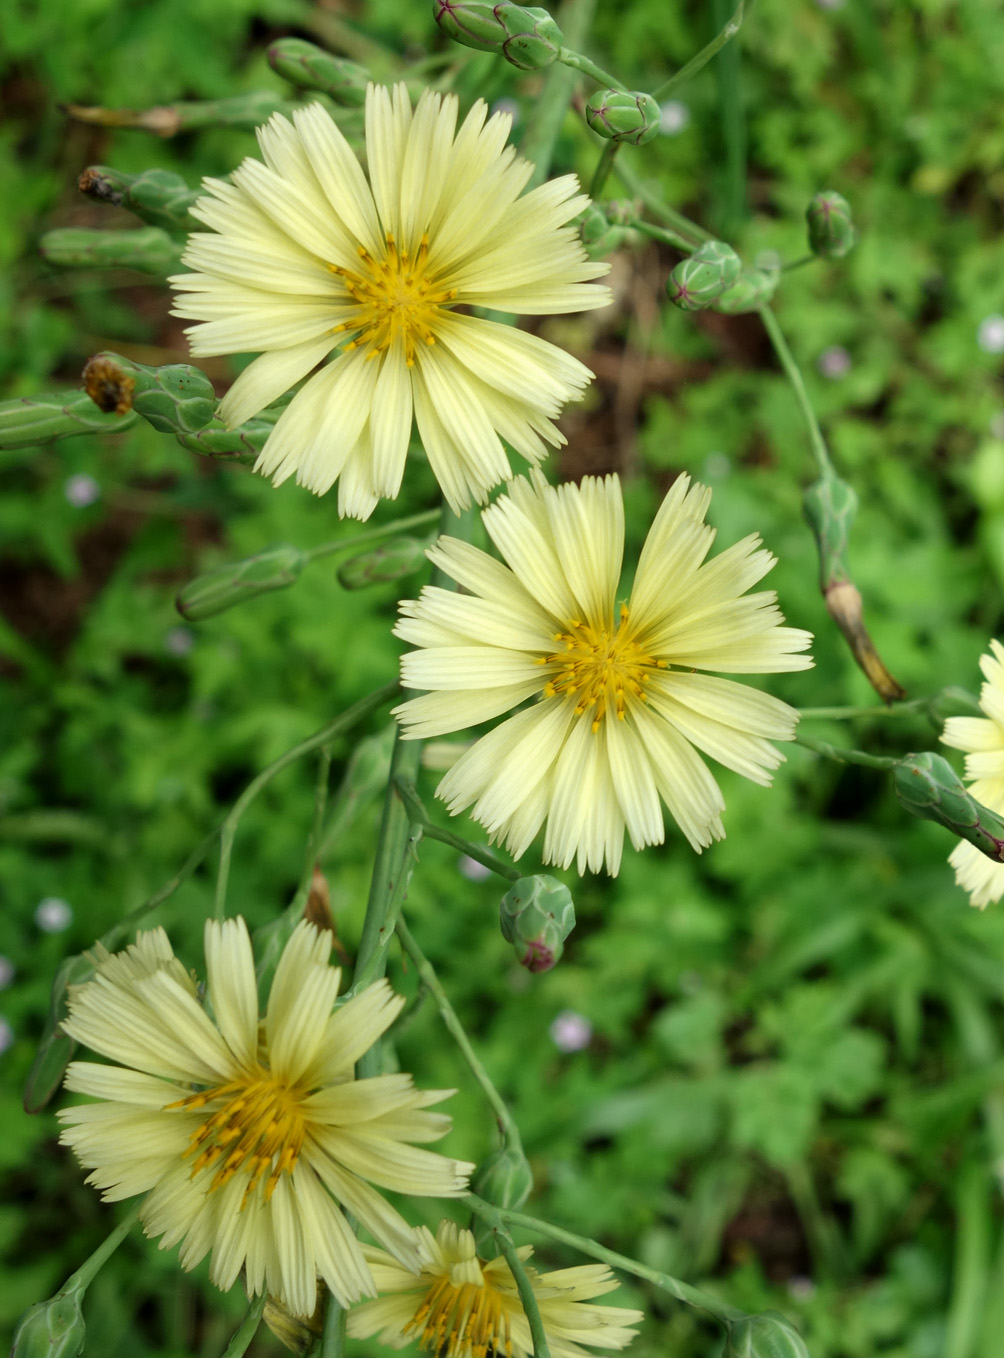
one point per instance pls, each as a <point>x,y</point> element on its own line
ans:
<point>831,228</point>
<point>218,590</point>
<point>51,1329</point>
<point>631,117</point>
<point>312,68</point>
<point>536,916</point>
<point>755,286</point>
<point>697,281</point>
<point>528,38</point>
<point>764,1336</point>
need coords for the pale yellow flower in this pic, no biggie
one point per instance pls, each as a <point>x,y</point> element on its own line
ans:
<point>248,1137</point>
<point>311,255</point>
<point>622,706</point>
<point>459,1306</point>
<point>983,740</point>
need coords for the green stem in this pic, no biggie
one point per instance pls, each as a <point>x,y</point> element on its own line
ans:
<point>549,110</point>
<point>794,375</point>
<point>333,1337</point>
<point>692,1296</point>
<point>90,1268</point>
<point>726,34</point>
<point>603,168</point>
<point>910,708</point>
<point>419,816</point>
<point>526,1295</point>
<point>383,530</point>
<point>316,829</point>
<point>114,936</point>
<point>668,237</point>
<point>249,1327</point>
<point>585,66</point>
<point>349,718</point>
<point>689,230</point>
<point>799,263</point>
<point>841,756</point>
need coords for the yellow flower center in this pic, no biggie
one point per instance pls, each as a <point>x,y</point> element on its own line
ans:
<point>397,299</point>
<point>259,1127</point>
<point>600,667</point>
<point>460,1319</point>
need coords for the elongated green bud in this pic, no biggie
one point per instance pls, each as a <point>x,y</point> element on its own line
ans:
<point>147,249</point>
<point>29,421</point>
<point>599,234</point>
<point>504,1179</point>
<point>631,117</point>
<point>528,38</point>
<point>831,227</point>
<point>175,399</point>
<point>830,505</point>
<point>390,561</point>
<point>216,591</point>
<point>51,1329</point>
<point>166,120</point>
<point>242,444</point>
<point>311,68</point>
<point>754,287</point>
<point>536,916</point>
<point>158,196</point>
<point>55,1050</point>
<point>768,1335</point>
<point>697,281</point>
<point>929,787</point>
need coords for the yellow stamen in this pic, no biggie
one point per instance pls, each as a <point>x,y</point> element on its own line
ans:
<point>602,668</point>
<point>397,299</point>
<point>259,1127</point>
<point>458,1319</point>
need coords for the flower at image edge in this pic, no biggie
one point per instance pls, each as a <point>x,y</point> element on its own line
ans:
<point>982,738</point>
<point>308,255</point>
<point>622,705</point>
<point>459,1306</point>
<point>249,1137</point>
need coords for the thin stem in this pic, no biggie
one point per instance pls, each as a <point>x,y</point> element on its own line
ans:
<point>663,233</point>
<point>316,829</point>
<point>603,168</point>
<point>349,718</point>
<point>113,936</point>
<point>692,1296</point>
<point>527,1295</point>
<point>89,1269</point>
<point>910,708</point>
<point>689,230</point>
<point>249,1327</point>
<point>549,111</point>
<point>454,1027</point>
<point>333,1337</point>
<point>798,263</point>
<point>585,66</point>
<point>841,756</point>
<point>419,816</point>
<point>794,375</point>
<point>716,44</point>
<point>383,530</point>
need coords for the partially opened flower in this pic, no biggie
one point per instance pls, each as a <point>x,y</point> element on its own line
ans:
<point>622,704</point>
<point>312,255</point>
<point>459,1306</point>
<point>983,740</point>
<point>248,1137</point>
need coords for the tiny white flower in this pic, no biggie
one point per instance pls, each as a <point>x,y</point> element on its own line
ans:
<point>81,490</point>
<point>674,116</point>
<point>472,869</point>
<point>6,972</point>
<point>53,915</point>
<point>990,335</point>
<point>571,1032</point>
<point>6,1035</point>
<point>179,641</point>
<point>834,362</point>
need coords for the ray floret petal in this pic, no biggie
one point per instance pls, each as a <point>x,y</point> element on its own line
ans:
<point>625,700</point>
<point>982,739</point>
<point>308,257</point>
<point>251,1137</point>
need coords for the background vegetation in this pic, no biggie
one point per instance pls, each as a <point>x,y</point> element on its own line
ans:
<point>793,1089</point>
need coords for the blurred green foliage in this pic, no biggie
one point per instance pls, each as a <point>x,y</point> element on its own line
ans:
<point>793,1090</point>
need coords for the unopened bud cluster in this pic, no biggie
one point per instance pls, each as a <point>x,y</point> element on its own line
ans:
<point>701,278</point>
<point>528,38</point>
<point>536,917</point>
<point>623,116</point>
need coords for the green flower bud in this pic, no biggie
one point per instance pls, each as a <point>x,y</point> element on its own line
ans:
<point>147,249</point>
<point>176,399</point>
<point>928,786</point>
<point>831,228</point>
<point>768,1335</point>
<point>536,916</point>
<point>158,196</point>
<point>310,67</point>
<point>632,117</point>
<point>754,287</point>
<point>390,561</point>
<point>830,505</point>
<point>51,1329</point>
<point>697,281</point>
<point>216,591</point>
<point>599,236</point>
<point>504,1179</point>
<point>528,38</point>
